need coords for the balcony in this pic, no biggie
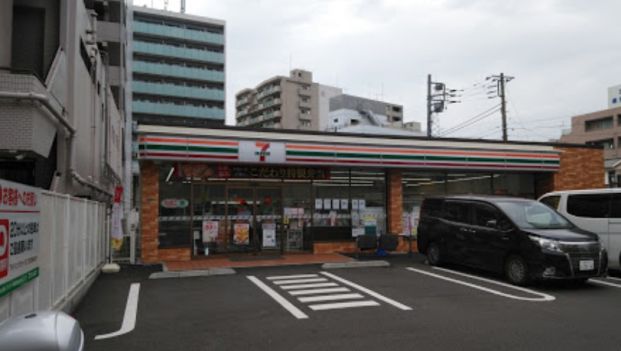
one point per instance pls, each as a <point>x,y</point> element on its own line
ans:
<point>177,91</point>
<point>305,116</point>
<point>178,52</point>
<point>27,125</point>
<point>305,104</point>
<point>268,104</point>
<point>304,91</point>
<point>163,69</point>
<point>269,91</point>
<point>178,33</point>
<point>170,109</point>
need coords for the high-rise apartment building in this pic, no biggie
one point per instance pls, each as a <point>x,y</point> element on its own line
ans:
<point>292,102</point>
<point>296,102</point>
<point>178,65</point>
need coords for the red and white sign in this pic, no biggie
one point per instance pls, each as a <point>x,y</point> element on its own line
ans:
<point>19,235</point>
<point>210,231</point>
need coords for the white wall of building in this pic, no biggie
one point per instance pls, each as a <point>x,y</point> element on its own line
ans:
<point>614,96</point>
<point>326,92</point>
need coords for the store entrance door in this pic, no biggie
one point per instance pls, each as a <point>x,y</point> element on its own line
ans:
<point>254,218</point>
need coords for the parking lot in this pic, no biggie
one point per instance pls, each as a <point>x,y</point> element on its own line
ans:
<point>406,306</point>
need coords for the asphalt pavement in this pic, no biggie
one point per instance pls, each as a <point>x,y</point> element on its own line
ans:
<point>406,306</point>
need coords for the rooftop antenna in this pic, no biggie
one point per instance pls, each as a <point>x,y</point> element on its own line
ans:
<point>182,6</point>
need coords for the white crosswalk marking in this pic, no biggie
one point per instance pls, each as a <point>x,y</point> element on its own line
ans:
<point>298,281</point>
<point>306,286</point>
<point>318,291</point>
<point>330,297</point>
<point>340,305</point>
<point>324,291</point>
<point>296,276</point>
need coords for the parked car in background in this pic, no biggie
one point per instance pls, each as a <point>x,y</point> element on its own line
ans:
<point>595,210</point>
<point>522,238</point>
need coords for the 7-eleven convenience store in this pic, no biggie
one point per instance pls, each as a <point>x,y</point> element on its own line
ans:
<point>221,191</point>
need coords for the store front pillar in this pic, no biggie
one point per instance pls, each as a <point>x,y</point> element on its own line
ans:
<point>149,211</point>
<point>395,202</point>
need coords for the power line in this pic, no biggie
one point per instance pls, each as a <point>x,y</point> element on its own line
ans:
<point>478,117</point>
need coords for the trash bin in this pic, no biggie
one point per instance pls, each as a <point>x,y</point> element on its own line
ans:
<point>42,331</point>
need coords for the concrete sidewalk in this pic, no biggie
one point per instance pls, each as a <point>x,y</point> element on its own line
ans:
<point>247,261</point>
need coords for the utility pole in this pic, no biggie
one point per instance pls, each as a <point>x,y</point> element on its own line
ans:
<point>503,107</point>
<point>429,105</point>
<point>501,80</point>
<point>438,96</point>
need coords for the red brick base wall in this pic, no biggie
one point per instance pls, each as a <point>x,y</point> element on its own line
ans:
<point>174,254</point>
<point>581,168</point>
<point>395,202</point>
<point>149,211</point>
<point>350,247</point>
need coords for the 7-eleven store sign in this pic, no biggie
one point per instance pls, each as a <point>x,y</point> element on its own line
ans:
<point>261,152</point>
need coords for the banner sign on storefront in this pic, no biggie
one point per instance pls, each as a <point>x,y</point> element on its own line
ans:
<point>210,231</point>
<point>19,235</point>
<point>269,235</point>
<point>204,172</point>
<point>241,233</point>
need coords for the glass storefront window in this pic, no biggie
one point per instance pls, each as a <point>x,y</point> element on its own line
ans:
<point>416,186</point>
<point>368,200</point>
<point>331,220</point>
<point>209,225</point>
<point>521,185</point>
<point>297,211</point>
<point>469,183</point>
<point>175,212</point>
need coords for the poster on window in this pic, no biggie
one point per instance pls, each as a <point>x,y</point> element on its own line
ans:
<point>327,204</point>
<point>318,204</point>
<point>210,231</point>
<point>241,233</point>
<point>269,235</point>
<point>336,204</point>
<point>19,235</point>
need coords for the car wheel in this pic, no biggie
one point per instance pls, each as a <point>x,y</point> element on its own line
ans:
<point>434,257</point>
<point>516,270</point>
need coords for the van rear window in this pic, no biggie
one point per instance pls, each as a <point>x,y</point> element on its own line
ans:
<point>589,205</point>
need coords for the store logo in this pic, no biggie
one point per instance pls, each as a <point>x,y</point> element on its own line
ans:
<point>262,153</point>
<point>253,151</point>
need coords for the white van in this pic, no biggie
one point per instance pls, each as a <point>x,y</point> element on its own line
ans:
<point>594,210</point>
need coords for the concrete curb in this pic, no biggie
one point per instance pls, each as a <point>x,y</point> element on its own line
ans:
<point>189,274</point>
<point>355,264</point>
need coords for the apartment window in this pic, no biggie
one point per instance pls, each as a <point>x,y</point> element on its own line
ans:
<point>605,143</point>
<point>305,123</point>
<point>598,124</point>
<point>619,120</point>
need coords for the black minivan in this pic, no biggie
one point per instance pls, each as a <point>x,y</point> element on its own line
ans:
<point>524,239</point>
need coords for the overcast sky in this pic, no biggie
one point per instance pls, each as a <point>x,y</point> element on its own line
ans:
<point>563,54</point>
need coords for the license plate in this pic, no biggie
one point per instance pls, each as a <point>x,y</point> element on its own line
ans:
<point>587,265</point>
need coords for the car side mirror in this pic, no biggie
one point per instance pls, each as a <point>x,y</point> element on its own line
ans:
<point>492,223</point>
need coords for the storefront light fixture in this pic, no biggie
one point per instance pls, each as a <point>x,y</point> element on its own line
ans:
<point>172,169</point>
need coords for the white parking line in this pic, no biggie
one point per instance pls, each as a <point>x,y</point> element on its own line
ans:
<point>543,297</point>
<point>340,305</point>
<point>329,297</point>
<point>276,296</point>
<point>129,318</point>
<point>306,286</point>
<point>614,278</point>
<point>602,282</point>
<point>296,276</point>
<point>368,291</point>
<point>299,281</point>
<point>318,291</point>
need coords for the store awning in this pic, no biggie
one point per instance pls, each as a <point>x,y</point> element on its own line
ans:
<point>232,145</point>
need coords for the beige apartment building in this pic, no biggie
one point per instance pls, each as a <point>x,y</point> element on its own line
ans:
<point>295,96</point>
<point>601,128</point>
